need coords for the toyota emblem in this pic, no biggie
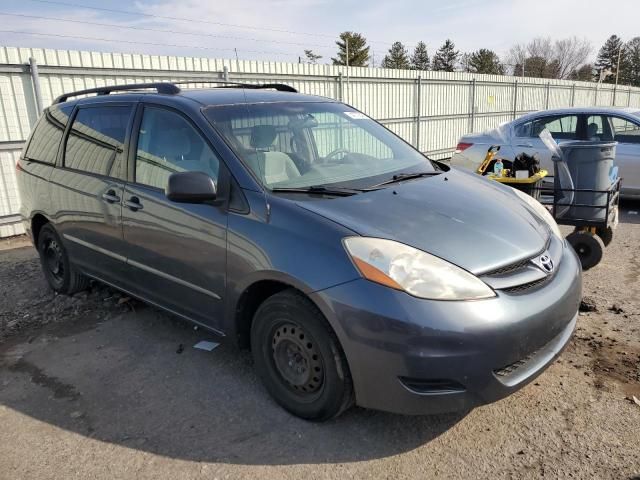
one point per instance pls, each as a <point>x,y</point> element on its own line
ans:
<point>545,263</point>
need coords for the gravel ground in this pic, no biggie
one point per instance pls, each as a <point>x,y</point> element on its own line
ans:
<point>101,386</point>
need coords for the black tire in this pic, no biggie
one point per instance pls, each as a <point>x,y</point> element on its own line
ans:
<point>299,359</point>
<point>588,246</point>
<point>61,275</point>
<point>606,234</point>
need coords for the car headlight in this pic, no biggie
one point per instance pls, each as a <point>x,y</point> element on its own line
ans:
<point>418,273</point>
<point>541,211</point>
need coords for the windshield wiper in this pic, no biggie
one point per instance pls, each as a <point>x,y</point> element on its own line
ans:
<point>319,189</point>
<point>400,177</point>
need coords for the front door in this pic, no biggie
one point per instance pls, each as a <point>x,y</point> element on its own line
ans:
<point>627,134</point>
<point>177,251</point>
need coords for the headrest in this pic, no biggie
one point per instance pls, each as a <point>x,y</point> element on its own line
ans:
<point>172,144</point>
<point>262,136</point>
<point>592,129</point>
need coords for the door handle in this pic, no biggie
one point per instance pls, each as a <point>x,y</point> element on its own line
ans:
<point>110,196</point>
<point>133,204</point>
<point>525,145</point>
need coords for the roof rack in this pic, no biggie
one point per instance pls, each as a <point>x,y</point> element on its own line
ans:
<point>281,87</point>
<point>171,88</point>
<point>160,87</point>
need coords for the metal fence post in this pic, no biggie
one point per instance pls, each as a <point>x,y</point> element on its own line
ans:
<point>35,80</point>
<point>573,95</point>
<point>595,97</point>
<point>340,86</point>
<point>418,110</point>
<point>629,98</point>
<point>548,94</point>
<point>473,105</point>
<point>615,91</point>
<point>515,99</point>
<point>225,73</point>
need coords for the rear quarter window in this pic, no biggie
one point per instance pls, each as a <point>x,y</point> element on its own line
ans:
<point>47,135</point>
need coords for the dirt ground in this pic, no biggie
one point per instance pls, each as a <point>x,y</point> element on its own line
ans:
<point>100,386</point>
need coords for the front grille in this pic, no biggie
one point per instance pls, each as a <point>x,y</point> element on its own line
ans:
<point>526,287</point>
<point>514,267</point>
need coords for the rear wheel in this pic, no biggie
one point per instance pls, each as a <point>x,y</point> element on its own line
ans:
<point>299,359</point>
<point>60,274</point>
<point>588,246</point>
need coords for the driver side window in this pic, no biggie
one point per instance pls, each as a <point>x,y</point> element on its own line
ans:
<point>168,143</point>
<point>625,131</point>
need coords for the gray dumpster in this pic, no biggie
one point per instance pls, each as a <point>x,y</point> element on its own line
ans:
<point>591,167</point>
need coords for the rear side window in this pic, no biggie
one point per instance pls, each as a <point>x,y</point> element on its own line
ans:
<point>46,137</point>
<point>561,126</point>
<point>96,140</point>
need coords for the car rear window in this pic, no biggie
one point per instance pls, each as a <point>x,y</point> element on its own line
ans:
<point>96,140</point>
<point>46,137</point>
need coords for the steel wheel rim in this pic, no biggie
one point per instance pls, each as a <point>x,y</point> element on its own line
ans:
<point>53,259</point>
<point>297,359</point>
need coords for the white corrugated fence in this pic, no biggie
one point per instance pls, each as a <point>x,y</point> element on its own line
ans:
<point>431,110</point>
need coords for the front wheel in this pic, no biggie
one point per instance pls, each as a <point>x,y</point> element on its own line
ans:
<point>298,357</point>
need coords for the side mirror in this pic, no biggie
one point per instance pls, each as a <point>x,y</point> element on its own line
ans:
<point>190,187</point>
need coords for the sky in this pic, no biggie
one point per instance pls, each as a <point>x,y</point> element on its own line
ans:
<point>280,30</point>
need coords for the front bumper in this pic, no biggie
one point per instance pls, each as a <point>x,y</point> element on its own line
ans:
<point>414,356</point>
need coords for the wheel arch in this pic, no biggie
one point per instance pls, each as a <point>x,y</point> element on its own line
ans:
<point>37,222</point>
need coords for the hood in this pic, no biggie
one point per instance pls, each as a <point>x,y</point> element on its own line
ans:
<point>468,220</point>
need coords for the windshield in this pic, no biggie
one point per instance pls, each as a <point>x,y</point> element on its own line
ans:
<point>298,145</point>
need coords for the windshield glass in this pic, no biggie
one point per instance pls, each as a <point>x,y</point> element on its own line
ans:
<point>298,145</point>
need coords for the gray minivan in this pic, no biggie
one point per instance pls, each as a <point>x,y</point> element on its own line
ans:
<point>357,270</point>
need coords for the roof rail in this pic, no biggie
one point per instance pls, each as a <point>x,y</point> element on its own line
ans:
<point>161,87</point>
<point>281,87</point>
<point>171,88</point>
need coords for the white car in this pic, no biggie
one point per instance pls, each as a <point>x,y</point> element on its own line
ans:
<point>568,124</point>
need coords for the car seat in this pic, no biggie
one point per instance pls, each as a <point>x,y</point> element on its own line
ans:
<point>271,167</point>
<point>592,132</point>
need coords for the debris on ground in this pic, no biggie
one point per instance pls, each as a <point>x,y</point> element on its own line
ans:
<point>205,345</point>
<point>617,309</point>
<point>588,304</point>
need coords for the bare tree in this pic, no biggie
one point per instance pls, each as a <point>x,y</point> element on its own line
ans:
<point>542,57</point>
<point>571,54</point>
<point>516,59</point>
<point>541,47</point>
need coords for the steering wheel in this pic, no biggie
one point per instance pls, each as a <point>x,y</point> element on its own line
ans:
<point>331,155</point>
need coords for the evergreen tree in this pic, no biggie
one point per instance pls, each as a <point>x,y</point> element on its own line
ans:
<point>420,57</point>
<point>485,61</point>
<point>312,57</point>
<point>630,70</point>
<point>358,50</point>
<point>446,57</point>
<point>398,57</point>
<point>607,62</point>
